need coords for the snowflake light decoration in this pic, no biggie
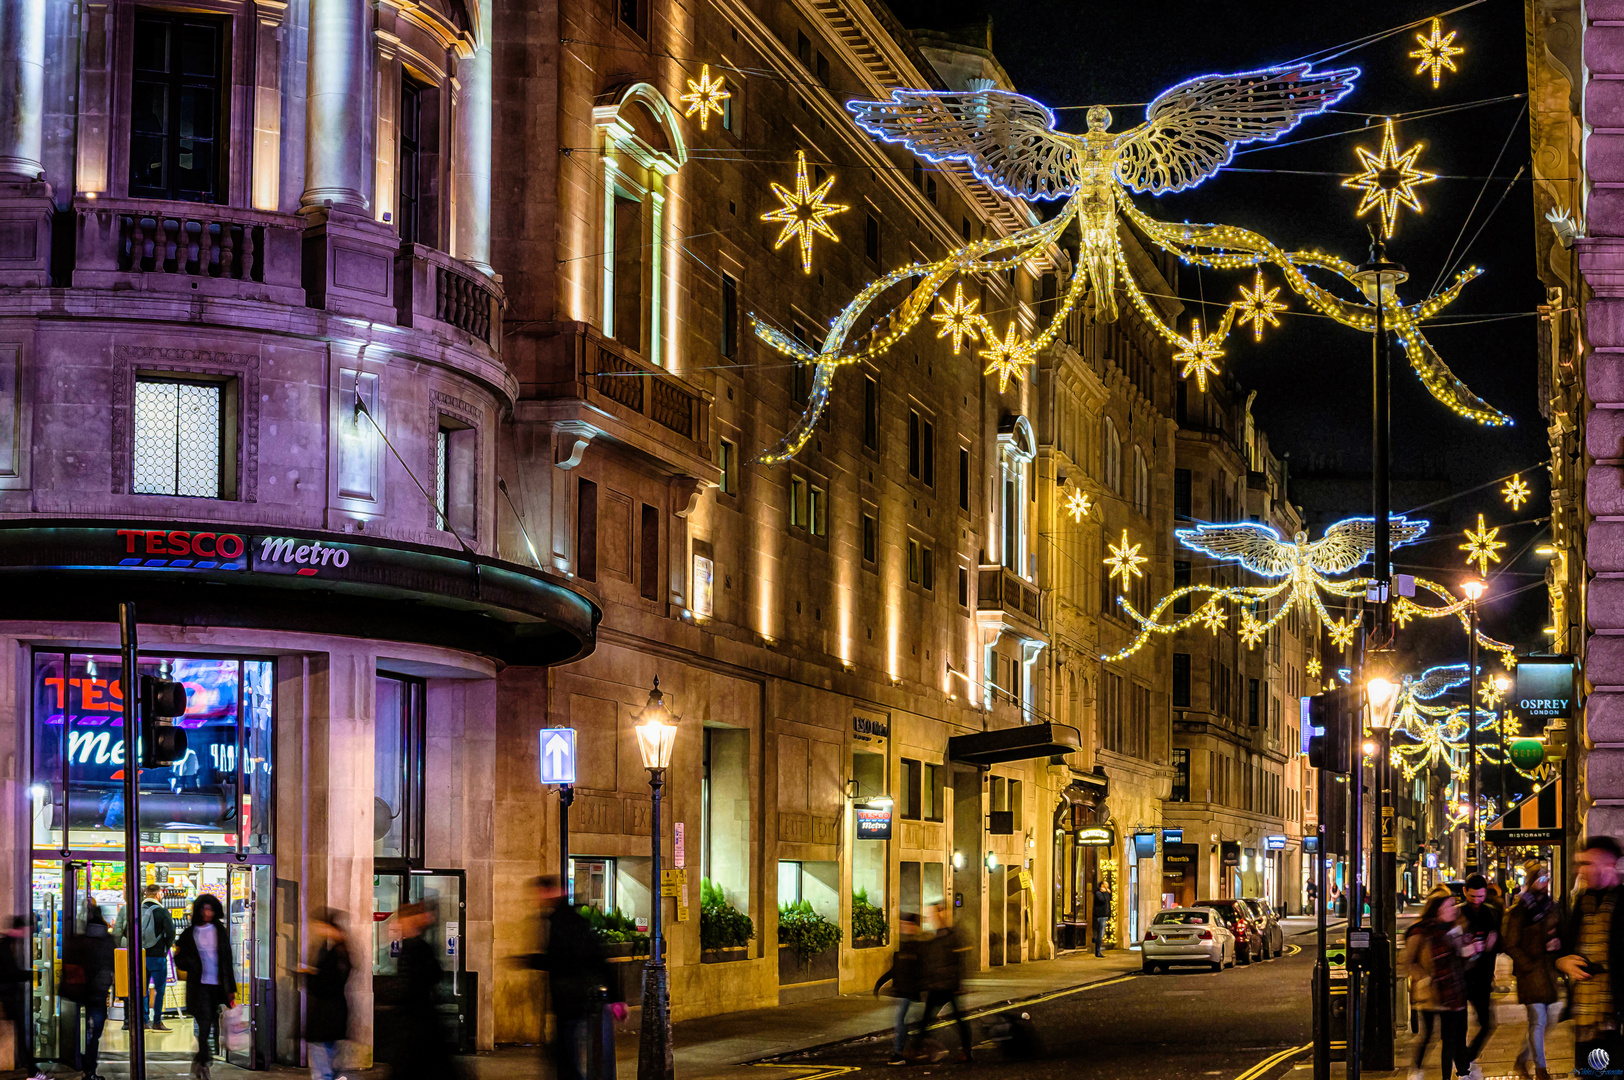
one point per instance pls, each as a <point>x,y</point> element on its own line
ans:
<point>1199,354</point>
<point>705,97</point>
<point>1006,358</point>
<point>1077,505</point>
<point>1481,547</point>
<point>804,212</point>
<point>1126,560</point>
<point>1389,179</point>
<point>1213,617</point>
<point>1259,306</point>
<point>1341,631</point>
<point>1516,491</point>
<point>959,318</point>
<point>1313,667</point>
<point>1436,52</point>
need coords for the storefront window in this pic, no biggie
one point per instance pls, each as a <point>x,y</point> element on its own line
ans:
<point>397,805</point>
<point>203,802</point>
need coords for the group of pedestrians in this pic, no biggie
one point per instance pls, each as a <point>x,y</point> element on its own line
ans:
<point>927,967</point>
<point>1450,955</point>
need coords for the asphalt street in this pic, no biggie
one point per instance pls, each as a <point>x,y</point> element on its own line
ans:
<point>1245,1023</point>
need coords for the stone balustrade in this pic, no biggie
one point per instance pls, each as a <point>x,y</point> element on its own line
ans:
<point>437,292</point>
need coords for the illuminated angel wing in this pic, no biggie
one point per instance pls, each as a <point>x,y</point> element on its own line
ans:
<point>1348,543</point>
<point>1009,141</point>
<point>1256,547</point>
<point>1437,680</point>
<point>1191,131</point>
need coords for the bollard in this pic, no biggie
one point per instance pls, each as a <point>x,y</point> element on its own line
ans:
<point>601,1040</point>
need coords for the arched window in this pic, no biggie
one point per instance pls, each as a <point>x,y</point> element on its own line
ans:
<point>1111,457</point>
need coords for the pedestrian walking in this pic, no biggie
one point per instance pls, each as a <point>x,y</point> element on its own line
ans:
<point>1433,959</point>
<point>1592,955</point>
<point>16,983</point>
<point>904,975</point>
<point>1482,918</point>
<point>1102,915</point>
<point>578,971</point>
<point>1533,936</point>
<point>87,978</point>
<point>942,970</point>
<point>327,1006</point>
<point>412,1041</point>
<point>157,938</point>
<point>1313,898</point>
<point>203,959</point>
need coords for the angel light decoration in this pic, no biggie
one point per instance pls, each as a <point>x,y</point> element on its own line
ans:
<point>1299,571</point>
<point>1010,142</point>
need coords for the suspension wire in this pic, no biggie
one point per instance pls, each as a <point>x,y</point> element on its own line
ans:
<point>1442,272</point>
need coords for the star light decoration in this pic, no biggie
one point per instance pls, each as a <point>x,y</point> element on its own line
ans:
<point>804,212</point>
<point>1257,306</point>
<point>1489,693</point>
<point>1199,355</point>
<point>1125,560</point>
<point>959,318</point>
<point>1389,179</point>
<point>1437,51</point>
<point>1007,357</point>
<point>1481,547</point>
<point>1296,573</point>
<point>1312,667</point>
<point>1516,491</point>
<point>705,97</point>
<point>1011,143</point>
<point>1077,506</point>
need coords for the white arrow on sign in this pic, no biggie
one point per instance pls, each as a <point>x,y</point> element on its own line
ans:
<point>558,755</point>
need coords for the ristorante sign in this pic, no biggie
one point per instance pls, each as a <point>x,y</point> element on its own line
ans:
<point>183,549</point>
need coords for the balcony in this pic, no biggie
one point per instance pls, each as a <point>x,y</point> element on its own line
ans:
<point>188,249</point>
<point>435,292</point>
<point>1000,589</point>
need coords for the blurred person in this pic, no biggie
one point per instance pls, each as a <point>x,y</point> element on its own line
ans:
<point>412,1040</point>
<point>942,977</point>
<point>203,959</point>
<point>1102,915</point>
<point>1435,948</point>
<point>904,977</point>
<point>1532,938</point>
<point>1592,955</point>
<point>157,938</point>
<point>1481,916</point>
<point>16,984</point>
<point>573,957</point>
<point>87,978</point>
<point>327,1008</point>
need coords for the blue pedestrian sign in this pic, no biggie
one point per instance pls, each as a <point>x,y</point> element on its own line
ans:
<point>558,755</point>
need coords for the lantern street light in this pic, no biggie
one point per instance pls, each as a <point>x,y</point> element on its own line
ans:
<point>656,738</point>
<point>1381,695</point>
<point>1474,590</point>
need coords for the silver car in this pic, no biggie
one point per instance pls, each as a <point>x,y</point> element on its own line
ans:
<point>1195,935</point>
<point>1274,938</point>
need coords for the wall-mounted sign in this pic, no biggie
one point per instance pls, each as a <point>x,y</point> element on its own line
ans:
<point>1527,753</point>
<point>1096,836</point>
<point>1144,845</point>
<point>873,822</point>
<point>1172,836</point>
<point>704,586</point>
<point>1544,687</point>
<point>1311,845</point>
<point>1231,851</point>
<point>1274,843</point>
<point>870,729</point>
<point>184,549</point>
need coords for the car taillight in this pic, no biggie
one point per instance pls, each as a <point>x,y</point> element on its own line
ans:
<point>1240,925</point>
<point>1150,935</point>
<point>1206,935</point>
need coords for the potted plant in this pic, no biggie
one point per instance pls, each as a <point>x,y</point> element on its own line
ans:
<point>869,927</point>
<point>806,945</point>
<point>618,933</point>
<point>724,930</point>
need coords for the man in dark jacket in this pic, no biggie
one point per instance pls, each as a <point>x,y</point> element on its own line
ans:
<point>87,978</point>
<point>16,981</point>
<point>412,1038</point>
<point>1102,916</point>
<point>327,1007</point>
<point>904,977</point>
<point>1482,918</point>
<point>157,929</point>
<point>577,970</point>
<point>942,974</point>
<point>1593,957</point>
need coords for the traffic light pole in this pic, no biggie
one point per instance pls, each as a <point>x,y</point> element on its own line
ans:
<point>132,843</point>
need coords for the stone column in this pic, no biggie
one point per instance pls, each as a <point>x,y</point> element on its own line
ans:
<point>22,87</point>
<point>336,104</point>
<point>472,181</point>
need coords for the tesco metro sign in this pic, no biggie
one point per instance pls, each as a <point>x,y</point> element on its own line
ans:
<point>182,549</point>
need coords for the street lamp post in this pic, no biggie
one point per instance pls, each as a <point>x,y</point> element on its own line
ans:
<point>1474,592</point>
<point>656,738</point>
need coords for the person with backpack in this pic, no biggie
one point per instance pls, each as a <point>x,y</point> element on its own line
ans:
<point>87,978</point>
<point>203,959</point>
<point>157,938</point>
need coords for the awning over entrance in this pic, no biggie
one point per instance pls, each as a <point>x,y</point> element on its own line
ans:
<point>1014,744</point>
<point>1537,819</point>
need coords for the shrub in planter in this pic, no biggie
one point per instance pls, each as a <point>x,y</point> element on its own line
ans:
<point>721,925</point>
<point>867,921</point>
<point>805,931</point>
<point>614,928</point>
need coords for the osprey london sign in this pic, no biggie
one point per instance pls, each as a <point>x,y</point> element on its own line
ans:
<point>1544,687</point>
<point>558,756</point>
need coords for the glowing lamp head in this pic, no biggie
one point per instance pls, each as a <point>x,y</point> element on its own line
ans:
<point>1501,683</point>
<point>1370,748</point>
<point>656,732</point>
<point>1474,590</point>
<point>1382,693</point>
<point>1099,118</point>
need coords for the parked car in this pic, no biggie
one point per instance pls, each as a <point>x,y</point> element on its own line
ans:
<point>1243,923</point>
<point>1274,936</point>
<point>1193,935</point>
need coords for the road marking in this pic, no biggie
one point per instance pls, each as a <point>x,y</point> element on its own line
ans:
<point>989,1010</point>
<point>1261,1068</point>
<point>819,1072</point>
<point>1293,950</point>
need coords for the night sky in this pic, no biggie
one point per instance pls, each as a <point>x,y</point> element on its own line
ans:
<point>1313,375</point>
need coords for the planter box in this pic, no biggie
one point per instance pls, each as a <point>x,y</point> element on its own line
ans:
<point>869,943</point>
<point>819,977</point>
<point>614,950</point>
<point>630,970</point>
<point>724,956</point>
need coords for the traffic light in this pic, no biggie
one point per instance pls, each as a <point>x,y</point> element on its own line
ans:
<point>162,743</point>
<point>1333,715</point>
